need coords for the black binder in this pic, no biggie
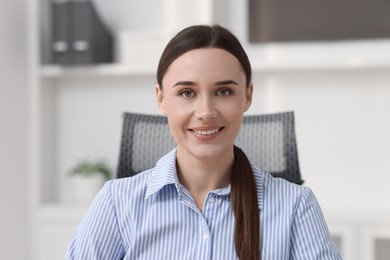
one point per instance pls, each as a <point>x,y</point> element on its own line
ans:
<point>79,35</point>
<point>60,47</point>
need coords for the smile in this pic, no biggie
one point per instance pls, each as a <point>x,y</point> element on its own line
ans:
<point>208,132</point>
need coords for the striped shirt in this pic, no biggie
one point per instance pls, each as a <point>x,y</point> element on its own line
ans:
<point>152,216</point>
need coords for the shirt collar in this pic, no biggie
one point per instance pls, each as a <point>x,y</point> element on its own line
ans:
<point>165,173</point>
<point>259,179</point>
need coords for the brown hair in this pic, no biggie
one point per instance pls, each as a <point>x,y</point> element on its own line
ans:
<point>201,36</point>
<point>244,191</point>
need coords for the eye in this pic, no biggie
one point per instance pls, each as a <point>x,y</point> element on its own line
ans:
<point>224,92</point>
<point>187,93</point>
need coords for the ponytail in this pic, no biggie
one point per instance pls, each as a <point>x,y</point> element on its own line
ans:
<point>246,210</point>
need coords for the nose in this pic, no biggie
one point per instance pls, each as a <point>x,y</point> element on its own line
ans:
<point>206,109</point>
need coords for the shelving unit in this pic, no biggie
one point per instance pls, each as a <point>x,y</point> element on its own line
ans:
<point>67,104</point>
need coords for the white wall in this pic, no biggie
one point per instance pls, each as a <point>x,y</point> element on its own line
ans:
<point>342,126</point>
<point>89,119</point>
<point>13,130</point>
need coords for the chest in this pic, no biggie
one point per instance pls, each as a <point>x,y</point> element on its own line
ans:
<point>174,228</point>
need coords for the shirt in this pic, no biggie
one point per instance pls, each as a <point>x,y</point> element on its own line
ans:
<point>152,216</point>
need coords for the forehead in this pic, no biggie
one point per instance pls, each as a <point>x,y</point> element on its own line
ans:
<point>205,62</point>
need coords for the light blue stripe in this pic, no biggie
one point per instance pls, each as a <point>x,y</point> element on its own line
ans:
<point>151,216</point>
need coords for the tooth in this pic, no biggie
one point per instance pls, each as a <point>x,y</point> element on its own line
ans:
<point>209,132</point>
<point>206,132</point>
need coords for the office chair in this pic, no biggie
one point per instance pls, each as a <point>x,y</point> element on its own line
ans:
<point>268,140</point>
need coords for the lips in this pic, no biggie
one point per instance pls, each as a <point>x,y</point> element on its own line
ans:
<point>204,132</point>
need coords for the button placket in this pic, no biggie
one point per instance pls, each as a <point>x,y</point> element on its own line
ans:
<point>205,243</point>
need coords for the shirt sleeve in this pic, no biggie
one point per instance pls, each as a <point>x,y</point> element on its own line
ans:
<point>310,238</point>
<point>98,236</point>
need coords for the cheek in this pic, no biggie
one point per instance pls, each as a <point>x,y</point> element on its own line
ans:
<point>234,114</point>
<point>174,110</point>
<point>170,105</point>
<point>176,115</point>
<point>236,120</point>
<point>235,108</point>
<point>231,112</point>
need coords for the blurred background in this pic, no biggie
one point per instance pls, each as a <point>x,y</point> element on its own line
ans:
<point>70,68</point>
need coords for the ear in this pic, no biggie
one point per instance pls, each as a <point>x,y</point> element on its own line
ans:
<point>160,99</point>
<point>249,93</point>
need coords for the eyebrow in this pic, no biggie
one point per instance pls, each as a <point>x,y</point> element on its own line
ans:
<point>183,83</point>
<point>226,82</point>
<point>218,83</point>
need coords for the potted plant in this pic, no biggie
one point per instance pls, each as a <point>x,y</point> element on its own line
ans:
<point>88,177</point>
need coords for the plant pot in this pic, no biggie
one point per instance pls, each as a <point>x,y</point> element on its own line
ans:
<point>86,187</point>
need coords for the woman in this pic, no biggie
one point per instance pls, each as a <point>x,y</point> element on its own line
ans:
<point>203,200</point>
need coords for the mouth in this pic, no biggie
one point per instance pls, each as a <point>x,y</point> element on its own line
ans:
<point>207,132</point>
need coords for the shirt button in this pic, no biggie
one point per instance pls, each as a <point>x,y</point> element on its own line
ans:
<point>211,200</point>
<point>205,236</point>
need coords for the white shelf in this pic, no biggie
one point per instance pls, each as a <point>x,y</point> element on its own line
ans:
<point>121,70</point>
<point>362,55</point>
<point>318,67</point>
<point>103,70</point>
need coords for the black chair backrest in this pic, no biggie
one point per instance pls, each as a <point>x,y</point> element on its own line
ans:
<point>267,139</point>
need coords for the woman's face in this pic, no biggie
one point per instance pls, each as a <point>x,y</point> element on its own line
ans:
<point>204,97</point>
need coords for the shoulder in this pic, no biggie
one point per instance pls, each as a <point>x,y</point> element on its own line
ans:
<point>293,211</point>
<point>279,191</point>
<point>150,180</point>
<point>130,187</point>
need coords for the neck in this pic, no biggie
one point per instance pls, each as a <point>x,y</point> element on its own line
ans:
<point>202,175</point>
